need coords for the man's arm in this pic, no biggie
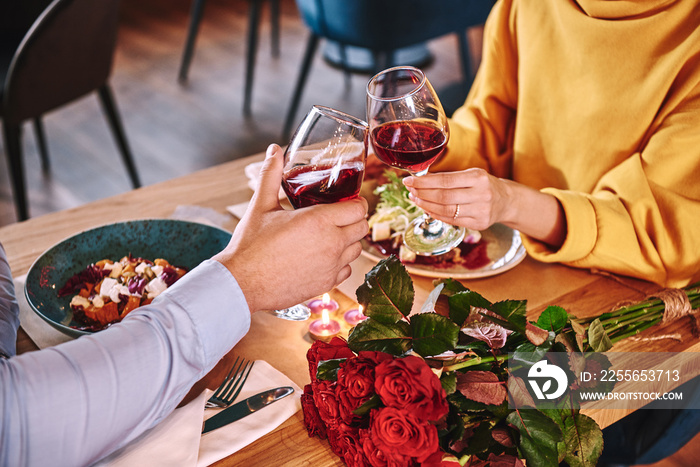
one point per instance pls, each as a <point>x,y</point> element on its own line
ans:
<point>9,310</point>
<point>75,403</point>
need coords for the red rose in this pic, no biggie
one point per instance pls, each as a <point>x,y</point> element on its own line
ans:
<point>376,457</point>
<point>326,403</point>
<point>399,431</point>
<point>408,383</point>
<point>354,457</point>
<point>342,438</point>
<point>320,351</point>
<point>312,420</point>
<point>348,443</point>
<point>334,441</point>
<point>356,382</point>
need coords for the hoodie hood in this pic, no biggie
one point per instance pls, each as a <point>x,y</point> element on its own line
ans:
<point>622,9</point>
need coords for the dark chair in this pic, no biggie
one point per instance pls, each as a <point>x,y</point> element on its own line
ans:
<point>251,47</point>
<point>63,54</point>
<point>383,27</point>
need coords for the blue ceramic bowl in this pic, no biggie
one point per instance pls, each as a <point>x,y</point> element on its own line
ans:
<point>182,243</point>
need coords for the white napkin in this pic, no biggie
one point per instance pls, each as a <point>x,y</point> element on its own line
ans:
<point>226,440</point>
<point>177,440</point>
<point>174,441</point>
<point>238,210</point>
<point>199,214</point>
<point>39,330</point>
<point>252,171</point>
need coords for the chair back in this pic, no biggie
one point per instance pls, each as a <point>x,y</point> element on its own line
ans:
<point>66,54</point>
<point>387,25</point>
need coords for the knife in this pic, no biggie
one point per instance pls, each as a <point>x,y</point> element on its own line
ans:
<point>246,407</point>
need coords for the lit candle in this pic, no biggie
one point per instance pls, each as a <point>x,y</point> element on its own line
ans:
<point>326,303</point>
<point>355,316</point>
<point>324,329</point>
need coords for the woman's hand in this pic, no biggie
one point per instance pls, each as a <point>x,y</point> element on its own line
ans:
<point>472,198</point>
<point>475,199</point>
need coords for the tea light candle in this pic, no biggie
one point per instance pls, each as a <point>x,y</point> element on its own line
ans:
<point>326,303</point>
<point>324,329</point>
<point>355,316</point>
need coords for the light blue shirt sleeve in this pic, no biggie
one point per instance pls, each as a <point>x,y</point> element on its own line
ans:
<point>9,310</point>
<point>77,402</point>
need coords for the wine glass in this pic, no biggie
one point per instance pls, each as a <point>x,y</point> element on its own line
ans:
<point>409,130</point>
<point>324,163</point>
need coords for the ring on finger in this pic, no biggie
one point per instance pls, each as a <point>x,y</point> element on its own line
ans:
<point>456,212</point>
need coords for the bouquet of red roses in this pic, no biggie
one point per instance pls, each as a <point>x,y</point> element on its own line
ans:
<point>447,386</point>
<point>374,408</point>
<point>433,388</point>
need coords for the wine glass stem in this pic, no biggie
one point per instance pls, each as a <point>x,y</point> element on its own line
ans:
<point>429,225</point>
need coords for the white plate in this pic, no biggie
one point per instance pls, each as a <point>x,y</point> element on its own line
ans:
<point>504,248</point>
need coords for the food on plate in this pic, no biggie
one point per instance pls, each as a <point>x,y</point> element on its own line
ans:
<point>392,215</point>
<point>106,291</point>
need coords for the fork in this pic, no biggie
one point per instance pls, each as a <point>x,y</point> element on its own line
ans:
<point>231,387</point>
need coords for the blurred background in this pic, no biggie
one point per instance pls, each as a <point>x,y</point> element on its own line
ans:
<point>175,128</point>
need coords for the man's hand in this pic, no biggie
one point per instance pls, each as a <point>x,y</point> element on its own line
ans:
<point>281,258</point>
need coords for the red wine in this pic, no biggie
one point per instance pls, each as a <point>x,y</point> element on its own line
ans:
<point>408,145</point>
<point>309,185</point>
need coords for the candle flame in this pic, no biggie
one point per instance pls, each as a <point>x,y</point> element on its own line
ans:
<point>326,299</point>
<point>325,318</point>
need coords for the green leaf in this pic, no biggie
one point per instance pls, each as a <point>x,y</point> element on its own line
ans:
<point>387,293</point>
<point>461,304</point>
<point>566,342</point>
<point>464,405</point>
<point>449,382</point>
<point>451,287</point>
<point>429,305</point>
<point>578,327</point>
<point>481,440</point>
<point>480,347</point>
<point>529,354</point>
<point>553,318</point>
<point>518,393</point>
<point>537,335</point>
<point>373,335</point>
<point>597,337</point>
<point>539,436</point>
<point>482,386</point>
<point>582,442</point>
<point>328,369</point>
<point>580,332</point>
<point>433,334</point>
<point>513,313</point>
<point>371,403</point>
<point>452,430</point>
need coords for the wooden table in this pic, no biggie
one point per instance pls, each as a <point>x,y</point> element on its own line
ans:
<point>284,343</point>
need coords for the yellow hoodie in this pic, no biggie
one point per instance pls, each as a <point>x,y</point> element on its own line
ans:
<point>596,102</point>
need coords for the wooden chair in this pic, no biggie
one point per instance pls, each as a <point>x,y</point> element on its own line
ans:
<point>251,47</point>
<point>62,55</point>
<point>383,27</point>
